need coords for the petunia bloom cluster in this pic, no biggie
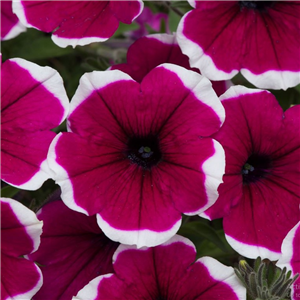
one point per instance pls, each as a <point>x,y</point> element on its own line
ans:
<point>149,153</point>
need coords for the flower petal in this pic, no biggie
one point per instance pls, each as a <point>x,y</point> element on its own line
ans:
<point>33,97</point>
<point>150,51</point>
<point>132,8</point>
<point>33,102</point>
<point>20,229</point>
<point>20,235</point>
<point>20,278</point>
<point>10,24</point>
<point>73,251</point>
<point>290,257</point>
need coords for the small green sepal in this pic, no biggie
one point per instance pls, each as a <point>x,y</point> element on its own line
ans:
<point>265,281</point>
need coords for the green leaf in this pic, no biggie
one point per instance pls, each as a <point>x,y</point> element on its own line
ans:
<point>297,88</point>
<point>33,45</point>
<point>206,232</point>
<point>287,98</point>
<point>9,191</point>
<point>257,263</point>
<point>124,28</point>
<point>173,21</point>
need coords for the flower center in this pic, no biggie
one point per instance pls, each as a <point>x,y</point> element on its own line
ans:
<point>144,151</point>
<point>256,168</point>
<point>257,5</point>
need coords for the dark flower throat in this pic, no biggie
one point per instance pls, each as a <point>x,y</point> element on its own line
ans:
<point>257,5</point>
<point>144,151</point>
<point>256,168</point>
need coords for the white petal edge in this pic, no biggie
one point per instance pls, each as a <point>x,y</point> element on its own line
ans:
<point>286,258</point>
<point>141,238</point>
<point>50,79</point>
<point>64,42</point>
<point>192,3</point>
<point>37,180</point>
<point>18,9</point>
<point>273,79</point>
<point>197,57</point>
<point>141,9</point>
<point>61,177</point>
<point>28,219</point>
<point>165,38</point>
<point>90,291</point>
<point>251,251</point>
<point>214,169</point>
<point>200,86</point>
<point>238,90</point>
<point>174,239</point>
<point>224,274</point>
<point>287,249</point>
<point>15,31</point>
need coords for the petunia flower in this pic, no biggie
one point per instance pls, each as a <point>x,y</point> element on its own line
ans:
<point>290,257</point>
<point>10,24</point>
<point>33,101</point>
<point>77,22</point>
<point>153,20</point>
<point>140,155</point>
<point>168,271</point>
<point>73,251</point>
<point>258,38</point>
<point>150,51</point>
<point>259,199</point>
<point>20,235</point>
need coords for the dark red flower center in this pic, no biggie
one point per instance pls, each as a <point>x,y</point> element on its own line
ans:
<point>144,151</point>
<point>256,168</point>
<point>257,5</point>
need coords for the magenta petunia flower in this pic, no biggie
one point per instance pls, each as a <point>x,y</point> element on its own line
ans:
<point>150,51</point>
<point>260,196</point>
<point>33,101</point>
<point>10,24</point>
<point>147,17</point>
<point>139,155</point>
<point>20,235</point>
<point>77,22</point>
<point>168,271</point>
<point>290,257</point>
<point>258,38</point>
<point>73,251</point>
